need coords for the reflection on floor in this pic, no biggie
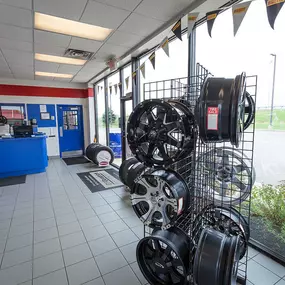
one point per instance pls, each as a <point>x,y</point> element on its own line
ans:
<point>53,230</point>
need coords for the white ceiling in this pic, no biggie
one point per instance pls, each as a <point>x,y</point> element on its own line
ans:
<point>131,20</point>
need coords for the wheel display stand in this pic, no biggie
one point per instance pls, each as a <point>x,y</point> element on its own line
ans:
<point>214,186</point>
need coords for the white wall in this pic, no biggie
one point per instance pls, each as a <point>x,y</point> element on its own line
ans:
<point>53,145</point>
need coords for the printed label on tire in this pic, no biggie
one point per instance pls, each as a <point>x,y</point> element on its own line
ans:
<point>103,158</point>
<point>212,118</point>
<point>180,206</point>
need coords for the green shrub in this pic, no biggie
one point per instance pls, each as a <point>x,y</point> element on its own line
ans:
<point>268,201</point>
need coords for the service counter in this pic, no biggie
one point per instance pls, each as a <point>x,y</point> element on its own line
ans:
<point>21,156</point>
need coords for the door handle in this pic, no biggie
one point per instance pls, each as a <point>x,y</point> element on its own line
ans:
<point>60,132</point>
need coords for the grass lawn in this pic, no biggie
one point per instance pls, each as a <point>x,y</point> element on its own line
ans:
<point>262,119</point>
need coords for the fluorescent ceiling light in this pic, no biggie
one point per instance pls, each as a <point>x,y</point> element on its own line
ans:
<point>50,74</point>
<point>69,27</point>
<point>59,59</point>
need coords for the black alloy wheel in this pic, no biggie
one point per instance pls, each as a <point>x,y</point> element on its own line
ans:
<point>226,220</point>
<point>160,132</point>
<point>216,259</point>
<point>163,257</point>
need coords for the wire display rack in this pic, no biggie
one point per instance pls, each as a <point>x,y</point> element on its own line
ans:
<point>218,175</point>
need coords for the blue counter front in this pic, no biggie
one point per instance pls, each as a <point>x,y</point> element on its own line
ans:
<point>21,156</point>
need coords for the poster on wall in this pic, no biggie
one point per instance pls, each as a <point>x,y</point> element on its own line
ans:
<point>43,108</point>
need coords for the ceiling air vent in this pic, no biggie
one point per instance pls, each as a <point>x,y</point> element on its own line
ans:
<point>79,54</point>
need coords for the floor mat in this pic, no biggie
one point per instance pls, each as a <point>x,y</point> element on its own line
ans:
<point>9,181</point>
<point>75,160</point>
<point>101,180</point>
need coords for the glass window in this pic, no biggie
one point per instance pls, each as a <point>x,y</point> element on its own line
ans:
<point>100,111</point>
<point>70,120</point>
<point>114,105</point>
<point>174,66</point>
<point>15,114</point>
<point>254,50</point>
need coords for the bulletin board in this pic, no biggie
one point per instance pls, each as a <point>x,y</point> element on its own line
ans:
<point>43,113</point>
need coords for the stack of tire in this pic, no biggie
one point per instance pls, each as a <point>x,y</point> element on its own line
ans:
<point>99,154</point>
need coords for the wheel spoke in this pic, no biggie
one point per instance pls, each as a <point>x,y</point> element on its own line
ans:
<point>147,217</point>
<point>172,141</point>
<point>166,253</point>
<point>223,188</point>
<point>150,117</point>
<point>151,149</point>
<point>163,152</point>
<point>145,183</point>
<point>136,199</point>
<point>239,168</point>
<point>173,276</point>
<point>239,184</point>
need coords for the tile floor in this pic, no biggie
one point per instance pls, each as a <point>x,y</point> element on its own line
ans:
<point>54,231</point>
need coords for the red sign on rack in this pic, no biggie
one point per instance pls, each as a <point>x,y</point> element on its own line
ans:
<point>212,118</point>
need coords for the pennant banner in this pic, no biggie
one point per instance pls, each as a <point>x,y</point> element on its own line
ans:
<point>120,86</point>
<point>134,76</point>
<point>110,90</point>
<point>116,89</point>
<point>273,8</point>
<point>211,17</point>
<point>239,12</point>
<point>127,82</point>
<point>177,30</point>
<point>101,87</point>
<point>152,59</point>
<point>142,68</point>
<point>98,87</point>
<point>192,18</point>
<point>165,45</point>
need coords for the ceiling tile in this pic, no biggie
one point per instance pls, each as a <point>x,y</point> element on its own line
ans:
<point>103,15</point>
<point>16,33</point>
<point>15,45</point>
<point>62,79</point>
<point>49,49</point>
<point>26,4</point>
<point>84,44</point>
<point>52,39</point>
<point>124,39</point>
<point>162,10</point>
<point>17,57</point>
<point>210,5</point>
<point>140,25</point>
<point>4,68</point>
<point>70,69</point>
<point>16,16</point>
<point>69,9</point>
<point>129,5</point>
<point>6,75</point>
<point>95,64</point>
<point>108,49</point>
<point>45,78</point>
<point>46,66</point>
<point>24,76</point>
<point>21,68</point>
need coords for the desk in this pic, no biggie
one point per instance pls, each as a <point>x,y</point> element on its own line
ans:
<point>21,156</point>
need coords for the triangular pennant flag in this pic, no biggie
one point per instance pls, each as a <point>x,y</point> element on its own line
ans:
<point>134,76</point>
<point>177,30</point>
<point>110,90</point>
<point>116,89</point>
<point>192,18</point>
<point>142,68</point>
<point>211,17</point>
<point>120,86</point>
<point>165,45</point>
<point>101,87</point>
<point>152,59</point>
<point>239,11</point>
<point>273,9</point>
<point>127,82</point>
<point>98,87</point>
